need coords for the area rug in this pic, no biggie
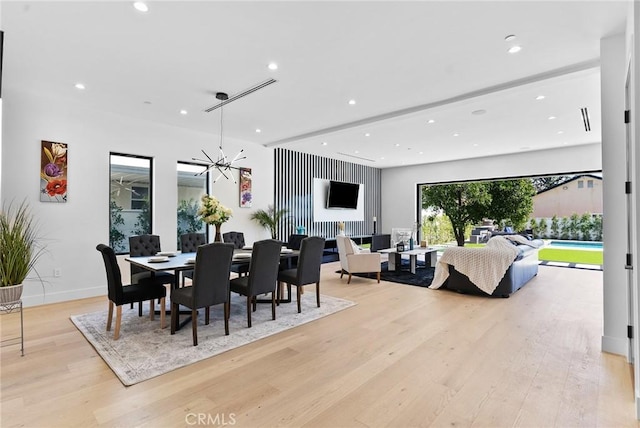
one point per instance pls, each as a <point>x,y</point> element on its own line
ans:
<point>422,277</point>
<point>144,351</point>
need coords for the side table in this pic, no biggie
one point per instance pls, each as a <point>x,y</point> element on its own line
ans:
<point>10,307</point>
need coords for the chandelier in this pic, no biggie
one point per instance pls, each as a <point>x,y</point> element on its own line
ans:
<point>222,163</point>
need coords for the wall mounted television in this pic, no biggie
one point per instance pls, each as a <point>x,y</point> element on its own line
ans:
<point>342,195</point>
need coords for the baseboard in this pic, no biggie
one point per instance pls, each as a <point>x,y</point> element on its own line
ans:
<point>616,345</point>
<point>50,296</point>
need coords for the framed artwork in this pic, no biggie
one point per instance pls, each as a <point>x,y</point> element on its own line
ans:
<point>53,172</point>
<point>246,196</point>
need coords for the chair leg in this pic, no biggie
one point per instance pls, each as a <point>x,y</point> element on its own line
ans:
<point>273,304</point>
<point>116,333</point>
<point>318,293</point>
<point>341,273</point>
<point>349,280</point>
<point>174,317</point>
<point>279,288</point>
<point>378,277</point>
<point>163,313</point>
<point>227,310</point>
<point>152,309</point>
<point>255,303</point>
<point>110,316</point>
<point>249,300</point>
<point>139,309</point>
<point>206,315</point>
<point>194,326</point>
<point>299,297</point>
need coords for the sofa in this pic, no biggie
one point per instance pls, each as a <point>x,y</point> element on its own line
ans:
<point>523,268</point>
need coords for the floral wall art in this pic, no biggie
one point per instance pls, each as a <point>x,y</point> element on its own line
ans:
<point>53,172</point>
<point>245,188</point>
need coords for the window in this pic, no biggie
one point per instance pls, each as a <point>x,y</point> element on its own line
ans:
<point>580,184</point>
<point>130,200</point>
<point>192,184</point>
<point>590,184</point>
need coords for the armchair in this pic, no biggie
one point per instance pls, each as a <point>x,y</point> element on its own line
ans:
<point>354,259</point>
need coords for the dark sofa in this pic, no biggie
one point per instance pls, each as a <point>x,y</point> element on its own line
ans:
<point>523,268</point>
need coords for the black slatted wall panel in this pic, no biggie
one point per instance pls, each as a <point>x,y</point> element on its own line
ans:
<point>294,174</point>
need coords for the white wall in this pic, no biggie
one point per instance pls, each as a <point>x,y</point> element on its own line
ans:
<point>73,229</point>
<point>399,185</point>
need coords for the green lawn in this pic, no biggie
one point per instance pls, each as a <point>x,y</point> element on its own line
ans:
<point>587,257</point>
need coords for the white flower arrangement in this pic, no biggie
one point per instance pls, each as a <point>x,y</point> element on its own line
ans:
<point>213,212</point>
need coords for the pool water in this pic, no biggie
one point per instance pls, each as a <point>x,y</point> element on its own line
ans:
<point>578,245</point>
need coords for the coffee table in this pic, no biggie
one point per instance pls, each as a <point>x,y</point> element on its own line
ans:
<point>395,257</point>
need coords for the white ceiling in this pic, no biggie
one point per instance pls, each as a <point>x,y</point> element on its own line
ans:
<point>403,62</point>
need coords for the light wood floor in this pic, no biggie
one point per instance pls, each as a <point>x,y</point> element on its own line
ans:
<point>403,356</point>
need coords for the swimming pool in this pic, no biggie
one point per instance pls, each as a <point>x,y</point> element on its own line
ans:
<point>575,245</point>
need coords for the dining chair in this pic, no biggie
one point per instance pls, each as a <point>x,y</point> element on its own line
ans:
<point>120,295</point>
<point>147,245</point>
<point>210,287</point>
<point>189,243</point>
<point>307,271</point>
<point>263,275</point>
<point>237,239</point>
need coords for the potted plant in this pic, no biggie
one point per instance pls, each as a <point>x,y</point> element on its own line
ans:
<point>270,219</point>
<point>19,249</point>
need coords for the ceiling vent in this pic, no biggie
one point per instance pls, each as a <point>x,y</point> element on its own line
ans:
<point>585,119</point>
<point>357,157</point>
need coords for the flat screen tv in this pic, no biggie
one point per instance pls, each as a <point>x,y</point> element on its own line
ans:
<point>343,195</point>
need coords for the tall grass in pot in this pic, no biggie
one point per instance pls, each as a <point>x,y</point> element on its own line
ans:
<point>20,249</point>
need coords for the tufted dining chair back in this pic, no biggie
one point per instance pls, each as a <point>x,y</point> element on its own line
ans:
<point>235,238</point>
<point>143,245</point>
<point>189,242</point>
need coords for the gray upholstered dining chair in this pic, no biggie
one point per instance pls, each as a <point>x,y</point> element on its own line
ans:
<point>307,272</point>
<point>237,239</point>
<point>147,245</point>
<point>263,275</point>
<point>120,295</point>
<point>189,243</point>
<point>210,287</point>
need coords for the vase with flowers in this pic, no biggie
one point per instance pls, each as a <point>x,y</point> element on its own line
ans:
<point>214,213</point>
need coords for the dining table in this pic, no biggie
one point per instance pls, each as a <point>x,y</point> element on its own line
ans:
<point>177,261</point>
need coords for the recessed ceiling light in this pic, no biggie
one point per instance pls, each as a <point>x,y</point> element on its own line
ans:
<point>79,86</point>
<point>551,117</point>
<point>367,135</point>
<point>382,158</point>
<point>478,112</point>
<point>514,49</point>
<point>540,97</point>
<point>560,132</point>
<point>356,151</point>
<point>397,144</point>
<point>475,145</point>
<point>183,112</point>
<point>324,143</point>
<point>510,38</point>
<point>258,131</point>
<point>420,153</point>
<point>431,121</point>
<point>352,102</point>
<point>141,6</point>
<point>272,66</point>
<point>456,134</point>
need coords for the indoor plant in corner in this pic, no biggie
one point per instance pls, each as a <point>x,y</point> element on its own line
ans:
<point>270,219</point>
<point>20,249</point>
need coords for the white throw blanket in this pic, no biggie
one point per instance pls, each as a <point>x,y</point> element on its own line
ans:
<point>484,266</point>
